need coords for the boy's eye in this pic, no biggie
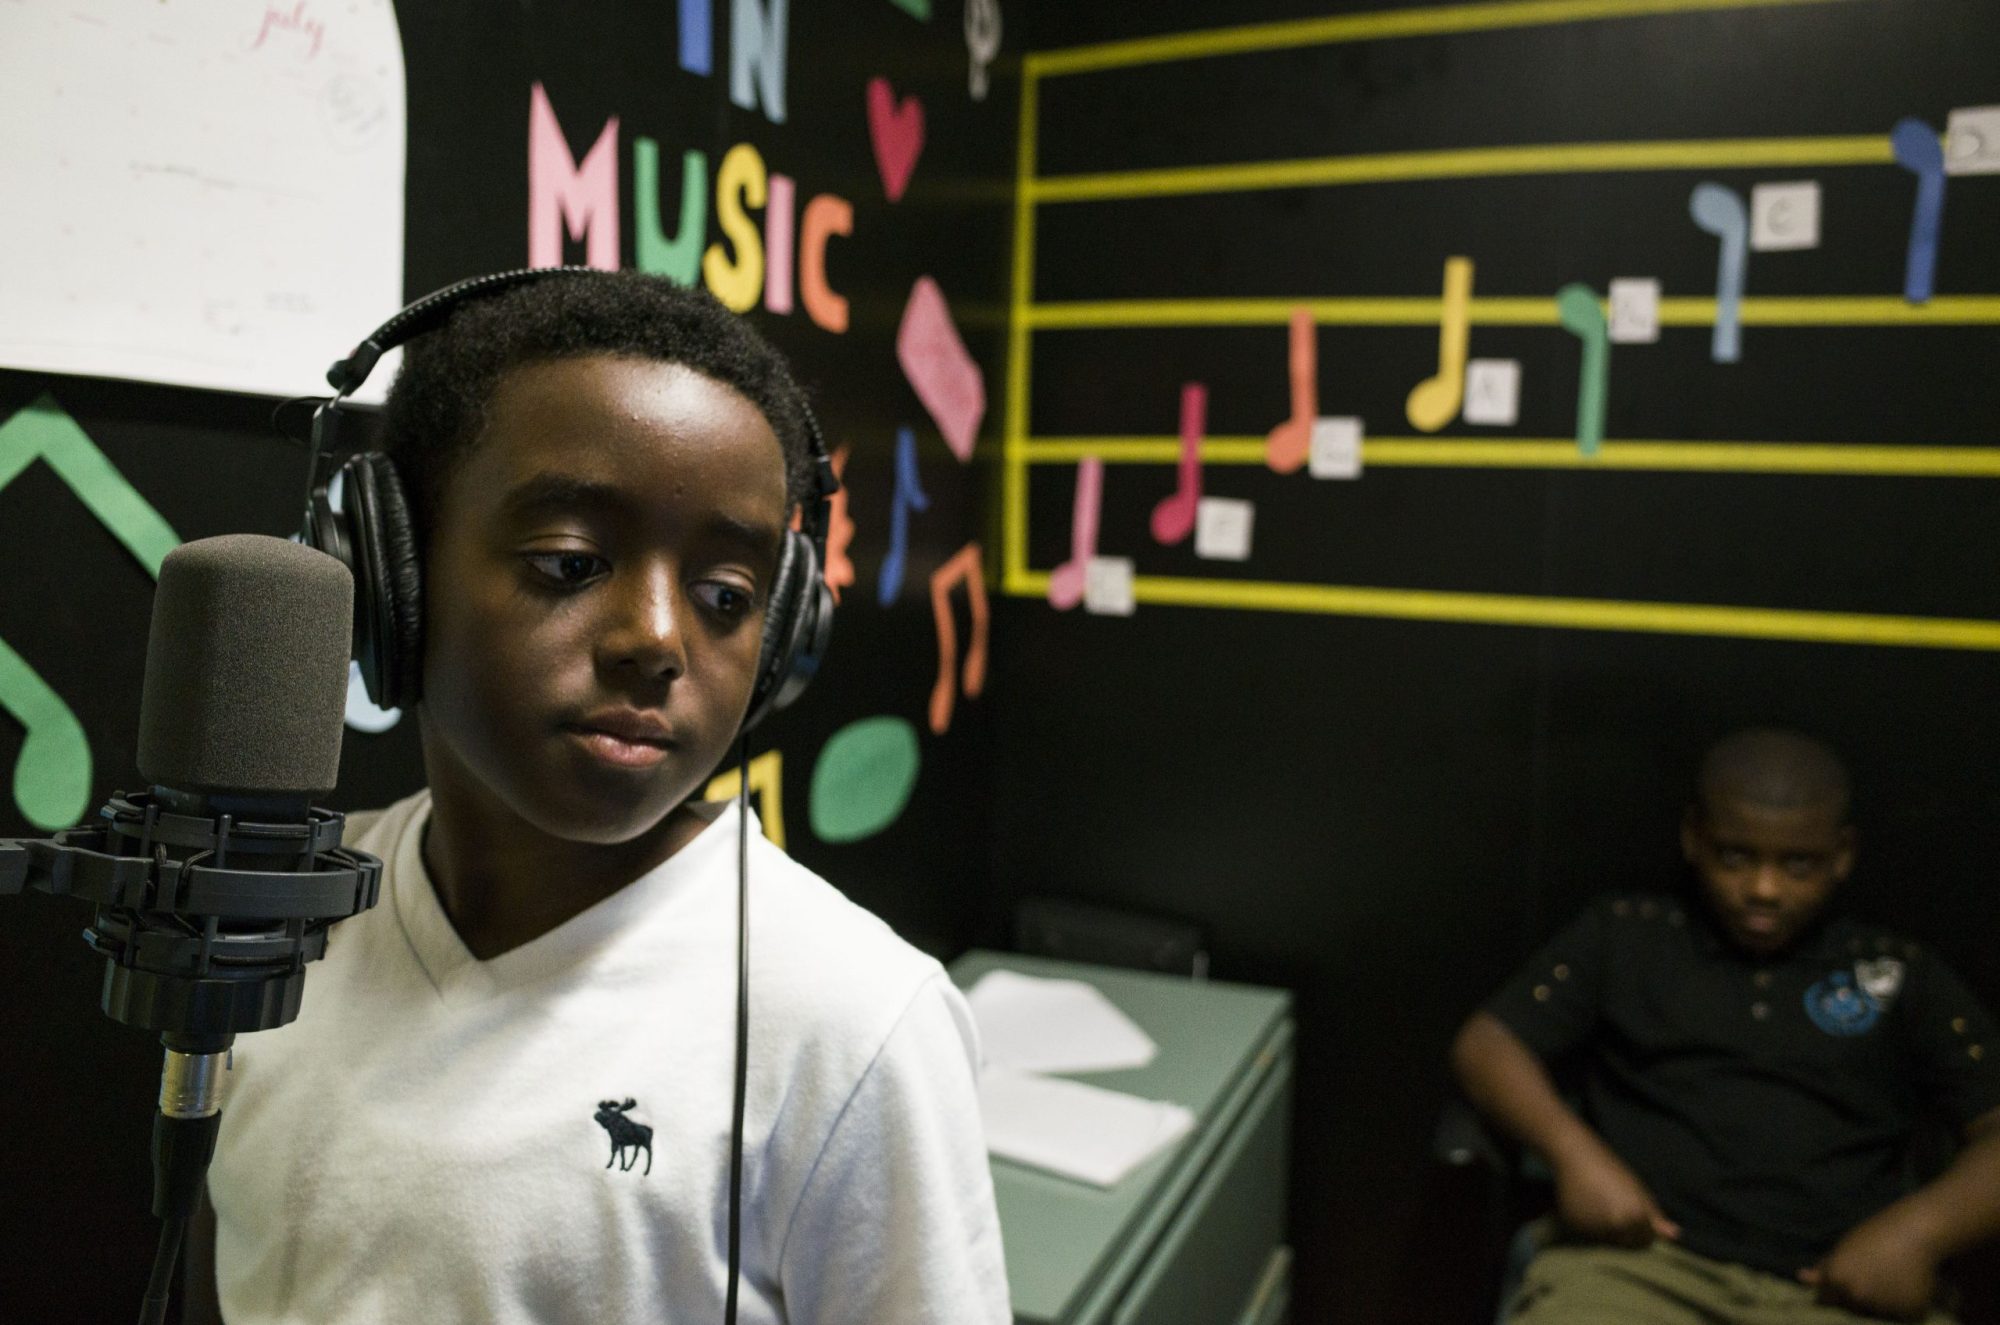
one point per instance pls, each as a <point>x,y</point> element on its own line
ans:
<point>1732,858</point>
<point>565,568</point>
<point>725,599</point>
<point>1801,867</point>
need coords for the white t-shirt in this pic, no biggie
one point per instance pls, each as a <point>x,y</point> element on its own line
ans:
<point>443,1139</point>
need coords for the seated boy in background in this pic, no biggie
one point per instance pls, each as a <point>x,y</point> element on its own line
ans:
<point>1755,1069</point>
<point>507,1098</point>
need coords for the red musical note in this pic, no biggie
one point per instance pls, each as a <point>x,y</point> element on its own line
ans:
<point>1067,580</point>
<point>1173,518</point>
<point>965,566</point>
<point>1291,441</point>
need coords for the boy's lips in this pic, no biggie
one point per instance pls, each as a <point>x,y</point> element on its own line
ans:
<point>629,738</point>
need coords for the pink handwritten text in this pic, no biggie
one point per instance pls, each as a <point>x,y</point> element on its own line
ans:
<point>277,20</point>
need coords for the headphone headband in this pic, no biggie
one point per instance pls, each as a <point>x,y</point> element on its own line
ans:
<point>374,535</point>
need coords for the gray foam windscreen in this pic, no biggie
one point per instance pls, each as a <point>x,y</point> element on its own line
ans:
<point>246,668</point>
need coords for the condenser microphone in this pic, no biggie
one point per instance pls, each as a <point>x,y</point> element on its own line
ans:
<point>217,885</point>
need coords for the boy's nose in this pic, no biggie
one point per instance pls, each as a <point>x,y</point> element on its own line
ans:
<point>645,632</point>
<point>1767,883</point>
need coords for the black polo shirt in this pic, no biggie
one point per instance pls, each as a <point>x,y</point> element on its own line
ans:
<point>1768,1104</point>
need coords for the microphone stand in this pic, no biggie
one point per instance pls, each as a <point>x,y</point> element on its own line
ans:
<point>208,909</point>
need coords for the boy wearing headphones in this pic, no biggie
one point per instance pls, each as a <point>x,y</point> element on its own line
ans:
<point>508,1097</point>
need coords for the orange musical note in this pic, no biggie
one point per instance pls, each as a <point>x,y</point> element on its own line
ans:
<point>1173,518</point>
<point>1291,441</point>
<point>839,531</point>
<point>965,565</point>
<point>1434,401</point>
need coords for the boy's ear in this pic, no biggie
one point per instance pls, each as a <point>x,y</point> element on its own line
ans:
<point>1843,855</point>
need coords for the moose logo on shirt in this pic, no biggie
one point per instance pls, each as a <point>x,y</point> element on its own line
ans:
<point>627,1137</point>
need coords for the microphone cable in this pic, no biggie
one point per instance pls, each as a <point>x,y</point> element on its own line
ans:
<point>742,1026</point>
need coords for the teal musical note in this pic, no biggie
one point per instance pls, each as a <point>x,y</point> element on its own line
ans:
<point>1581,312</point>
<point>52,772</point>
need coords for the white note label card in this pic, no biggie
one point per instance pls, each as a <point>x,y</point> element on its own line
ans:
<point>1493,391</point>
<point>1107,586</point>
<point>1635,310</point>
<point>1784,216</point>
<point>1222,529</point>
<point>1972,141</point>
<point>1336,448</point>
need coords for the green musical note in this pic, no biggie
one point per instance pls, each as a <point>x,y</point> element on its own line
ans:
<point>52,772</point>
<point>42,431</point>
<point>1581,313</point>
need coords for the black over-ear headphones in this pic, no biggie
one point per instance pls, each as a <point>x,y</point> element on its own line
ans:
<point>373,534</point>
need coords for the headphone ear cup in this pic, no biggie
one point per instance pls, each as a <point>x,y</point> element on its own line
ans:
<point>796,627</point>
<point>388,585</point>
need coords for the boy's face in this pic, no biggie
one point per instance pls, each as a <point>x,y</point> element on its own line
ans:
<point>1766,872</point>
<point>595,592</point>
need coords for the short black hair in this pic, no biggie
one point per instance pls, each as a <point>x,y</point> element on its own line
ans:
<point>1774,767</point>
<point>437,407</point>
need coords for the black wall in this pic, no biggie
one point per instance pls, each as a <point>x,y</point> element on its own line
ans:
<point>1386,815</point>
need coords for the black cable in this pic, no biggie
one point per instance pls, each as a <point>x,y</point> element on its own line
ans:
<point>742,1026</point>
<point>153,1311</point>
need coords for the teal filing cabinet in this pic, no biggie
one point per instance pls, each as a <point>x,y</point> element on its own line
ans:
<point>1195,1235</point>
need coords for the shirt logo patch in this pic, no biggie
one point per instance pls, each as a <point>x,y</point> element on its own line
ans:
<point>1880,979</point>
<point>1839,1006</point>
<point>627,1137</point>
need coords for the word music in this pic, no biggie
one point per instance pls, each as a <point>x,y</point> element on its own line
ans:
<point>775,265</point>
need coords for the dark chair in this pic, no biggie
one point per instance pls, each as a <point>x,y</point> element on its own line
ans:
<point>1511,1192</point>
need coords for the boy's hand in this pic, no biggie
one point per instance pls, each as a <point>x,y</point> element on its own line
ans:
<point>1881,1268</point>
<point>1601,1200</point>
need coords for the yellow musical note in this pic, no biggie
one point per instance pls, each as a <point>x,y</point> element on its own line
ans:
<point>53,770</point>
<point>965,565</point>
<point>767,784</point>
<point>1434,401</point>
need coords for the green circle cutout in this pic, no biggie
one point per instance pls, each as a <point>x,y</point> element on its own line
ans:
<point>863,779</point>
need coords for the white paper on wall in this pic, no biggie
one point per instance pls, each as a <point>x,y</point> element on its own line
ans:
<point>205,194</point>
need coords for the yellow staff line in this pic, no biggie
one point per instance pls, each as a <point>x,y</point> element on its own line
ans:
<point>1560,613</point>
<point>1427,22</point>
<point>1014,473</point>
<point>1466,163</point>
<point>1771,311</point>
<point>1560,453</point>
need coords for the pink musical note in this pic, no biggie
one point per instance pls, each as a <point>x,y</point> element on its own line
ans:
<point>1291,441</point>
<point>1173,518</point>
<point>1066,581</point>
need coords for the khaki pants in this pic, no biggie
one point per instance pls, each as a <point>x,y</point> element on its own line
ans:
<point>1663,1285</point>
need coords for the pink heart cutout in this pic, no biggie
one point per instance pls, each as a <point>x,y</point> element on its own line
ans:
<point>898,134</point>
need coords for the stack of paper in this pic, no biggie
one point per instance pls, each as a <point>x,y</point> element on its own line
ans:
<point>1076,1130</point>
<point>1036,1025</point>
<point>1031,1026</point>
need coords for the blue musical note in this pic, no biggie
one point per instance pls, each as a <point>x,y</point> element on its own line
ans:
<point>1919,152</point>
<point>909,495</point>
<point>1721,213</point>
